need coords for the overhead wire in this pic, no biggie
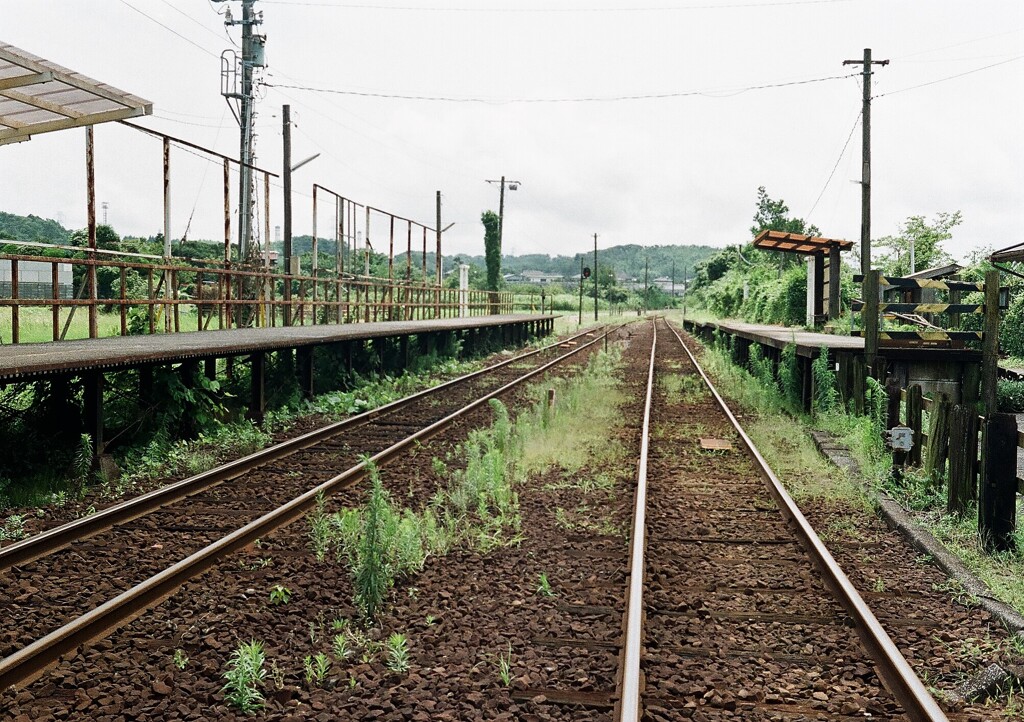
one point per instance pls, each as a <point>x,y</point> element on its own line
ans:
<point>948,77</point>
<point>619,9</point>
<point>169,29</point>
<point>583,99</point>
<point>842,153</point>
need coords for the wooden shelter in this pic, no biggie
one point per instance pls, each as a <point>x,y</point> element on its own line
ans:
<point>822,267</point>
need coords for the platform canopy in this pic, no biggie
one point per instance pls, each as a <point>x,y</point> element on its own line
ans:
<point>798,243</point>
<point>37,96</point>
<point>1008,255</point>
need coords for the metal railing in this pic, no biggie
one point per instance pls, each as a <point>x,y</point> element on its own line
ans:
<point>150,294</point>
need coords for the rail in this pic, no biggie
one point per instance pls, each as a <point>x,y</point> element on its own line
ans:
<point>31,661</point>
<point>893,669</point>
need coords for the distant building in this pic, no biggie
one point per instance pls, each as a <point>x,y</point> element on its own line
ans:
<point>537,277</point>
<point>35,280</point>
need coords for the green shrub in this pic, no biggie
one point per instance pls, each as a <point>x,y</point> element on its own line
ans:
<point>1010,396</point>
<point>789,376</point>
<point>825,394</point>
<point>761,367</point>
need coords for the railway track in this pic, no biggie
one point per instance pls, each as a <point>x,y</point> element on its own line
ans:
<point>130,557</point>
<point>724,604</point>
<point>735,607</point>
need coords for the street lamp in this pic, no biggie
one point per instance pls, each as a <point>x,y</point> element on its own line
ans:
<point>512,186</point>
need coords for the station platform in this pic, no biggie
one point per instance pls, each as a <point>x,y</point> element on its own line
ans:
<point>808,343</point>
<point>28,362</point>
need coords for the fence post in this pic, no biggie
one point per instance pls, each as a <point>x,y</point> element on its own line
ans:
<point>892,417</point>
<point>915,404</point>
<point>963,455</point>
<point>990,343</point>
<point>998,490</point>
<point>938,438</point>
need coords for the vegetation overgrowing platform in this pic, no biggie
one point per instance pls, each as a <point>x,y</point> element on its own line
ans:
<point>21,362</point>
<point>808,343</point>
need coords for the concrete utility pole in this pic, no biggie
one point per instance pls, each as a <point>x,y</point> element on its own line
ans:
<point>437,260</point>
<point>595,276</point>
<point>865,182</point>
<point>286,177</point>
<point>512,185</point>
<point>237,84</point>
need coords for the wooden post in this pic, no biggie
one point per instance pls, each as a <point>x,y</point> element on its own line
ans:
<point>892,417</point>
<point>859,382</point>
<point>970,384</point>
<point>963,455</point>
<point>834,265</point>
<point>938,438</point>
<point>870,316</point>
<point>990,343</point>
<point>915,404</point>
<point>843,379</point>
<point>997,494</point>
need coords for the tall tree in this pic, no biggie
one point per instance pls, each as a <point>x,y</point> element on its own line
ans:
<point>774,216</point>
<point>925,238</point>
<point>492,248</point>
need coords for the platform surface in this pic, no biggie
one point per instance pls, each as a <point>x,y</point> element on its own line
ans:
<point>24,361</point>
<point>808,343</point>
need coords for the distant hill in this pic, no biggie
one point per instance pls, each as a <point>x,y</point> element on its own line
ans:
<point>32,228</point>
<point>626,260</point>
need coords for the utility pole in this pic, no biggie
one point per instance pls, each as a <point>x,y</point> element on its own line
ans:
<point>685,290</point>
<point>865,182</point>
<point>286,176</point>
<point>595,276</point>
<point>237,84</point>
<point>512,185</point>
<point>438,227</point>
<point>580,321</point>
<point>646,288</point>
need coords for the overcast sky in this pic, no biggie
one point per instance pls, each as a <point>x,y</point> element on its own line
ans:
<point>681,169</point>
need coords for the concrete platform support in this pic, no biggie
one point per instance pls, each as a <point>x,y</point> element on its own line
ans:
<point>304,363</point>
<point>258,395</point>
<point>92,410</point>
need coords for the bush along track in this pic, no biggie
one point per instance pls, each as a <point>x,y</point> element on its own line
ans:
<point>968,660</point>
<point>452,550</point>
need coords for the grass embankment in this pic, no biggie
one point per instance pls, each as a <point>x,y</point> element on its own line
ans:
<point>796,461</point>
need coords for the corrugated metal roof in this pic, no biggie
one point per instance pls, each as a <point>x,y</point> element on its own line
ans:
<point>37,96</point>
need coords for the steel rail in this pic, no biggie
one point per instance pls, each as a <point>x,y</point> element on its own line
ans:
<point>31,661</point>
<point>52,540</point>
<point>629,702</point>
<point>892,667</point>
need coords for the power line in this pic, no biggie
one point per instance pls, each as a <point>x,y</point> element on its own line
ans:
<point>169,29</point>
<point>590,99</point>
<point>842,153</point>
<point>468,9</point>
<point>950,77</point>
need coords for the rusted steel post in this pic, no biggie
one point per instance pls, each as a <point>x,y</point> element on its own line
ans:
<point>55,290</point>
<point>266,283</point>
<point>366,249</point>
<point>339,256</point>
<point>15,330</point>
<point>167,227</point>
<point>391,271</point>
<point>424,256</point>
<point>174,298</point>
<point>316,256</point>
<point>124,304</point>
<point>150,294</point>
<point>90,190</point>
<point>224,281</point>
